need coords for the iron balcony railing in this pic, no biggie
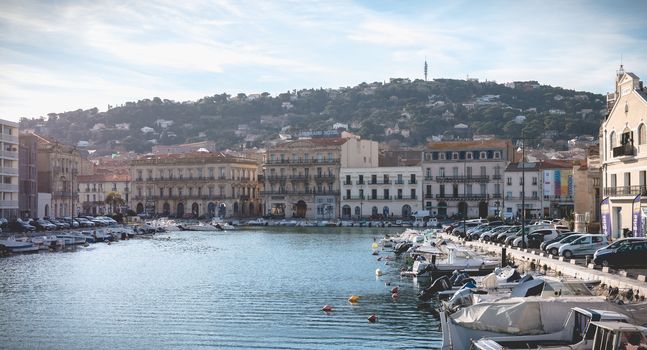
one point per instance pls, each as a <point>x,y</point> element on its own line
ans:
<point>301,192</point>
<point>625,190</point>
<point>463,178</point>
<point>623,151</point>
<point>458,197</point>
<point>303,161</point>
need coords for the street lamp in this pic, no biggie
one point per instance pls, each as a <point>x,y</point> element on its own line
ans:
<point>520,120</point>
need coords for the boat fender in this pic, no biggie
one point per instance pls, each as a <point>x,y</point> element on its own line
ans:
<point>327,308</point>
<point>372,318</point>
<point>353,299</point>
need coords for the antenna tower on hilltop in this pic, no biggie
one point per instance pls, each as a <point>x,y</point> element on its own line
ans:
<point>426,69</point>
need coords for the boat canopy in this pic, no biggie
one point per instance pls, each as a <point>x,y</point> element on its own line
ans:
<point>520,316</point>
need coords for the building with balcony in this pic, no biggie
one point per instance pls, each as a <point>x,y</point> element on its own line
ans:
<point>301,177</point>
<point>58,166</point>
<point>514,190</point>
<point>98,193</point>
<point>201,184</point>
<point>465,177</point>
<point>28,176</point>
<point>623,149</point>
<point>380,193</point>
<point>8,169</point>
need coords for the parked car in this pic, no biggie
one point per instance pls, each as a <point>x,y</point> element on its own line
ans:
<point>617,244</point>
<point>539,236</point>
<point>493,232</point>
<point>553,248</point>
<point>4,223</point>
<point>559,237</point>
<point>21,226</point>
<point>59,225</point>
<point>587,244</point>
<point>626,255</point>
<point>71,222</point>
<point>85,222</point>
<point>43,225</point>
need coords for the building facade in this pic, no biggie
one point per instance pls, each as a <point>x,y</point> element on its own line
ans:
<point>514,200</point>
<point>301,179</point>
<point>8,169</point>
<point>195,185</point>
<point>586,193</point>
<point>102,194</point>
<point>380,193</point>
<point>623,150</point>
<point>465,178</point>
<point>28,176</point>
<point>58,166</point>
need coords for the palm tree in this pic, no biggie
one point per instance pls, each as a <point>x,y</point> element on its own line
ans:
<point>114,199</point>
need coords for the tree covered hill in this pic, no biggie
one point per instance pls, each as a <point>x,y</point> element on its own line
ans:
<point>408,111</point>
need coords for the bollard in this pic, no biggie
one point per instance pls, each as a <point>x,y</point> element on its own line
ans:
<point>587,260</point>
<point>503,257</point>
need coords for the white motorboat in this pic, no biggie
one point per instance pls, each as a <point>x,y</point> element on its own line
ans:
<point>18,246</point>
<point>530,316</point>
<point>450,259</point>
<point>197,227</point>
<point>584,329</point>
<point>257,222</point>
<point>217,223</point>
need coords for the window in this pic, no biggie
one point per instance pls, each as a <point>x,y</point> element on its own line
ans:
<point>347,180</point>
<point>469,171</point>
<point>347,194</point>
<point>399,193</point>
<point>386,179</point>
<point>386,193</point>
<point>483,171</point>
<point>508,194</point>
<point>413,193</point>
<point>374,193</point>
<point>428,173</point>
<point>361,180</point>
<point>497,155</point>
<point>455,155</point>
<point>642,134</point>
<point>468,189</point>
<point>442,156</point>
<point>441,172</point>
<point>612,140</point>
<point>483,155</point>
<point>534,180</point>
<point>508,181</point>
<point>374,179</point>
<point>534,195</point>
<point>483,189</point>
<point>469,155</point>
<point>413,179</point>
<point>361,194</point>
<point>455,171</point>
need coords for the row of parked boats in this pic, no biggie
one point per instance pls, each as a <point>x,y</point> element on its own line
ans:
<point>70,239</point>
<point>484,306</point>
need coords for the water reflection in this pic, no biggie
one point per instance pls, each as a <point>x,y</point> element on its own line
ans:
<point>241,289</point>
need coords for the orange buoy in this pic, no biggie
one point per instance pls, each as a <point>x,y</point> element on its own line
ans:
<point>353,299</point>
<point>372,318</point>
<point>394,290</point>
<point>327,308</point>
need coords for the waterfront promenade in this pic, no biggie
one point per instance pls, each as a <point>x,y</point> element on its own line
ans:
<point>568,268</point>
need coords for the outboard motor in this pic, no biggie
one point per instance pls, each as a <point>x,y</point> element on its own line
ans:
<point>460,279</point>
<point>439,285</point>
<point>514,277</point>
<point>453,277</point>
<point>402,247</point>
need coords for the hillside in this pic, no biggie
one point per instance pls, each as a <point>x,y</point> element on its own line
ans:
<point>410,112</point>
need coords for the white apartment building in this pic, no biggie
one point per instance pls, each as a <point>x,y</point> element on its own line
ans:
<point>380,192</point>
<point>623,149</point>
<point>514,199</point>
<point>465,177</point>
<point>8,169</point>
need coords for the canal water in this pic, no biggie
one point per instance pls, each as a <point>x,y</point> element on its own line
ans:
<point>251,288</point>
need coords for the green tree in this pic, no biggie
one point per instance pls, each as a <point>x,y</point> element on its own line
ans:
<point>114,199</point>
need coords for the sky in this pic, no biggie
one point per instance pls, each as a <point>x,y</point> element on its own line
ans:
<point>58,56</point>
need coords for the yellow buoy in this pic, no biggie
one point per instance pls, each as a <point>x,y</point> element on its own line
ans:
<point>353,299</point>
<point>375,246</point>
<point>378,272</point>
